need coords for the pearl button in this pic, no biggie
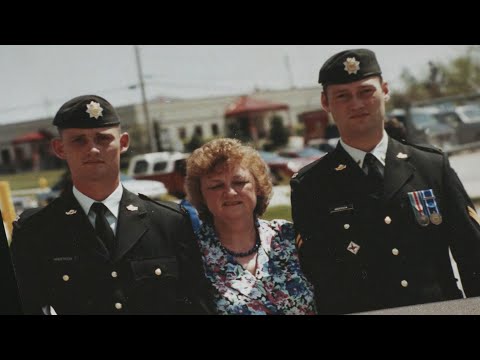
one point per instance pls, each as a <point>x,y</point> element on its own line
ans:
<point>118,306</point>
<point>346,226</point>
<point>158,272</point>
<point>114,274</point>
<point>388,220</point>
<point>395,252</point>
<point>404,283</point>
<point>65,277</point>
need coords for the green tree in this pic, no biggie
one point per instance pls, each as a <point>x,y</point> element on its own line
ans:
<point>459,76</point>
<point>195,142</point>
<point>278,132</point>
<point>238,129</point>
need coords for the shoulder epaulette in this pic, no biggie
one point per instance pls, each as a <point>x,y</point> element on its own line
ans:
<point>306,168</point>
<point>26,215</point>
<point>167,205</point>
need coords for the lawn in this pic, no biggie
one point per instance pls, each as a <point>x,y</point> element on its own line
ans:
<point>278,212</point>
<point>31,179</point>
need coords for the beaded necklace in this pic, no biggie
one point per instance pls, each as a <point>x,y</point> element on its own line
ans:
<point>254,249</point>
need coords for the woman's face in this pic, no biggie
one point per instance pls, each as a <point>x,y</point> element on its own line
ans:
<point>230,192</point>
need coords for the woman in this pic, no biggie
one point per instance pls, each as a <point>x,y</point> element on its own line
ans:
<point>251,263</point>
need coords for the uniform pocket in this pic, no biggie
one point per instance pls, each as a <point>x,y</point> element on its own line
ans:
<point>161,268</point>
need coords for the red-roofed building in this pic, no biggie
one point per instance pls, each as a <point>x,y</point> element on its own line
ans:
<point>248,118</point>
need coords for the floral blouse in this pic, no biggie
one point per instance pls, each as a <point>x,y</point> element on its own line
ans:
<point>278,286</point>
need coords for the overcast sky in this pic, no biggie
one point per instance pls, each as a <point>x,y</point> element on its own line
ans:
<point>36,80</point>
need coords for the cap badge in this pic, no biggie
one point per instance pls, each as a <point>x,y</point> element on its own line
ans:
<point>351,65</point>
<point>132,207</point>
<point>94,109</point>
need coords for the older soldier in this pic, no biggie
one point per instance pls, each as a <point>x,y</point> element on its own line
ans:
<point>376,217</point>
<point>99,249</point>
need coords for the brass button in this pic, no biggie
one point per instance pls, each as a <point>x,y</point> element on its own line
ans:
<point>404,283</point>
<point>395,252</point>
<point>114,274</point>
<point>158,271</point>
<point>346,226</point>
<point>388,220</point>
<point>118,306</point>
<point>65,277</point>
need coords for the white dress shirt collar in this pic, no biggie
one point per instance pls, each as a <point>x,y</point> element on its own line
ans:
<point>380,151</point>
<point>112,202</point>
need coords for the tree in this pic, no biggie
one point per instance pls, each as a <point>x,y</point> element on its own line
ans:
<point>278,132</point>
<point>195,142</point>
<point>459,76</point>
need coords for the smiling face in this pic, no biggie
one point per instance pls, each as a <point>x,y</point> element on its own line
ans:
<point>358,108</point>
<point>92,154</point>
<point>229,192</point>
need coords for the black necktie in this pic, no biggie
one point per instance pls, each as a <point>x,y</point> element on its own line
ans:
<point>102,227</point>
<point>374,170</point>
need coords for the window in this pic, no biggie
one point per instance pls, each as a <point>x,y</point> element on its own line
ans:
<point>198,130</point>
<point>141,167</point>
<point>182,133</point>
<point>159,166</point>
<point>215,130</point>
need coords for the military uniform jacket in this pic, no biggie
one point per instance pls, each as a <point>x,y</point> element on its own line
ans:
<point>362,251</point>
<point>156,267</point>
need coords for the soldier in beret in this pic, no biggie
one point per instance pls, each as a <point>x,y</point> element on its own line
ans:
<point>375,218</point>
<point>98,248</point>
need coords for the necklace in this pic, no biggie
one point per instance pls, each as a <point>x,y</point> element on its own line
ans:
<point>254,249</point>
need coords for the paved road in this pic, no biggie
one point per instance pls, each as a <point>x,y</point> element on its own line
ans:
<point>467,167</point>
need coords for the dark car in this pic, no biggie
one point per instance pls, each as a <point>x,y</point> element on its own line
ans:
<point>465,120</point>
<point>423,126</point>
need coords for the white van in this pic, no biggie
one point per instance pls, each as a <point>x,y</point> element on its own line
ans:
<point>167,167</point>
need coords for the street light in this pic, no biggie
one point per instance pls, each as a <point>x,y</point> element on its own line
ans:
<point>144,99</point>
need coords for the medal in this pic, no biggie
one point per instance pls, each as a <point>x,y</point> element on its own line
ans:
<point>423,220</point>
<point>436,218</point>
<point>418,209</point>
<point>431,207</point>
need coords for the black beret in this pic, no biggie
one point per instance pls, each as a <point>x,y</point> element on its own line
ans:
<point>86,111</point>
<point>349,66</point>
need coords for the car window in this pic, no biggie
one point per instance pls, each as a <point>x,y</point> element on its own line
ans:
<point>141,167</point>
<point>450,119</point>
<point>160,166</point>
<point>472,114</point>
<point>424,121</point>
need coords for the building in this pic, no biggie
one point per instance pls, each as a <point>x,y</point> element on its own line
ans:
<point>173,121</point>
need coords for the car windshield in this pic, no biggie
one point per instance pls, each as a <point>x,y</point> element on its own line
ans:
<point>424,120</point>
<point>472,114</point>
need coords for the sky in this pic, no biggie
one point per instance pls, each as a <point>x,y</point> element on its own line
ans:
<point>35,80</point>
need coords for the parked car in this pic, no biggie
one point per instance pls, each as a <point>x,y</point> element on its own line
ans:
<point>465,120</point>
<point>278,166</point>
<point>424,126</point>
<point>167,167</point>
<point>299,158</point>
<point>153,189</point>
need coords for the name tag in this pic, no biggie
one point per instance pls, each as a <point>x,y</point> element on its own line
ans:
<point>63,259</point>
<point>339,209</point>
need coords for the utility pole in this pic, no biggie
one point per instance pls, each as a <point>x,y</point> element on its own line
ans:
<point>144,100</point>
<point>289,71</point>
